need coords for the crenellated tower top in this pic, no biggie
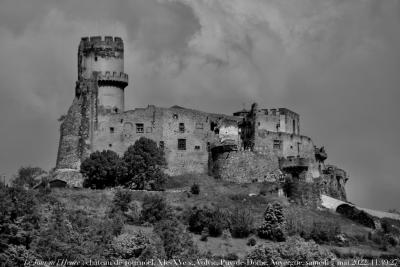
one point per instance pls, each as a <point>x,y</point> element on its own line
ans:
<point>102,58</point>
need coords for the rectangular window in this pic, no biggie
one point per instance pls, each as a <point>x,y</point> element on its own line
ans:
<point>197,147</point>
<point>277,144</point>
<point>199,125</point>
<point>181,144</point>
<point>181,127</point>
<point>111,129</point>
<point>139,128</point>
<point>162,145</point>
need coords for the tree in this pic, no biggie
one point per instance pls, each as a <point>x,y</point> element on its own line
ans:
<point>101,169</point>
<point>143,163</point>
<point>273,227</point>
<point>177,242</point>
<point>27,176</point>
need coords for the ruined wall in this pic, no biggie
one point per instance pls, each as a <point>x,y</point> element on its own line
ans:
<point>287,145</point>
<point>77,126</point>
<point>277,120</point>
<point>245,167</point>
<point>166,126</point>
<point>333,181</point>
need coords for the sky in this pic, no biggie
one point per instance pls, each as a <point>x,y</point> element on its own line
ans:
<point>335,62</point>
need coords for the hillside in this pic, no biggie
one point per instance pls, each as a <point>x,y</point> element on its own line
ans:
<point>350,239</point>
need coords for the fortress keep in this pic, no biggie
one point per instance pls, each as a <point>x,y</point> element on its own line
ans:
<point>251,145</point>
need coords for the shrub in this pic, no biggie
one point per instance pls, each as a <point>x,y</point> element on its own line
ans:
<point>154,209</point>
<point>356,215</point>
<point>121,200</point>
<point>273,227</point>
<point>101,169</point>
<point>324,231</point>
<point>321,227</point>
<point>251,242</point>
<point>130,245</point>
<point>214,220</point>
<point>153,250</point>
<point>240,223</point>
<point>143,162</point>
<point>231,257</point>
<point>177,242</point>
<point>27,176</point>
<point>295,249</point>
<point>195,189</point>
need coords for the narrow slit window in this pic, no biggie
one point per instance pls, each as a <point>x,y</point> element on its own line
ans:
<point>181,144</point>
<point>181,127</point>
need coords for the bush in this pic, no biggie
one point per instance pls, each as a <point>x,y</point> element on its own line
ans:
<point>273,227</point>
<point>295,249</point>
<point>127,246</point>
<point>177,242</point>
<point>356,215</point>
<point>324,231</point>
<point>27,176</point>
<point>231,257</point>
<point>101,169</point>
<point>154,209</point>
<point>240,223</point>
<point>122,205</point>
<point>122,199</point>
<point>251,242</point>
<point>213,220</point>
<point>195,189</point>
<point>322,227</point>
<point>143,162</point>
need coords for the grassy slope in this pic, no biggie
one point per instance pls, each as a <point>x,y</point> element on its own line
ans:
<point>223,195</point>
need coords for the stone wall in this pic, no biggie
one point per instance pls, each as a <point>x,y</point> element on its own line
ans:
<point>245,167</point>
<point>77,127</point>
<point>166,126</point>
<point>333,180</point>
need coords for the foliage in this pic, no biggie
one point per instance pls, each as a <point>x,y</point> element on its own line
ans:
<point>101,169</point>
<point>122,199</point>
<point>195,189</point>
<point>19,218</point>
<point>356,215</point>
<point>76,235</point>
<point>154,249</point>
<point>251,242</point>
<point>155,209</point>
<point>295,249</point>
<point>130,245</point>
<point>273,227</point>
<point>322,228</point>
<point>27,176</point>
<point>212,220</point>
<point>240,223</point>
<point>177,242</point>
<point>143,162</point>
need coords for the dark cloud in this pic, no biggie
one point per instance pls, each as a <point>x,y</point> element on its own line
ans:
<point>334,62</point>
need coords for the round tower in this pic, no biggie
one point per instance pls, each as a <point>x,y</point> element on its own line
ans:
<point>103,60</point>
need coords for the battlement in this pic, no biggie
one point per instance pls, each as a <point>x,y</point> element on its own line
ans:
<point>96,43</point>
<point>113,77</point>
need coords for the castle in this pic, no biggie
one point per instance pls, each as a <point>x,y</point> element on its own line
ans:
<point>251,145</point>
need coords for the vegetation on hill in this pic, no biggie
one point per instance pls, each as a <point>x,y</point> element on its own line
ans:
<point>224,221</point>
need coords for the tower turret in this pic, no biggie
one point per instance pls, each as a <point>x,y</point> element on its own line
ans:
<point>103,60</point>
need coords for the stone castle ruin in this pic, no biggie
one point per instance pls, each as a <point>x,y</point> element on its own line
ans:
<point>251,145</point>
